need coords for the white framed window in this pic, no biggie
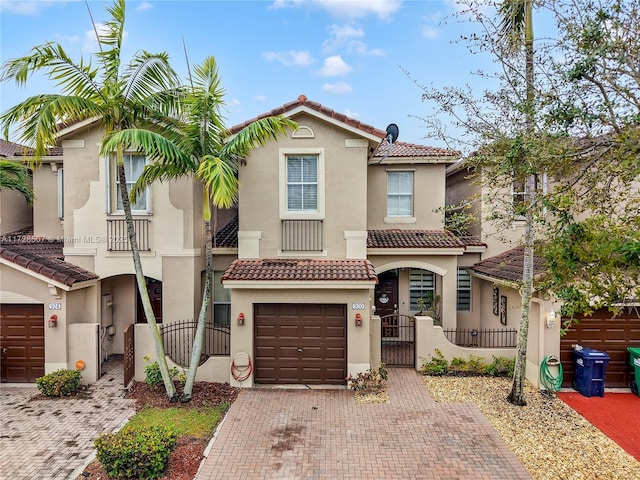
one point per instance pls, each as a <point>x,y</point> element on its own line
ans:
<point>422,289</point>
<point>221,301</point>
<point>133,166</point>
<point>61,193</point>
<point>518,197</point>
<point>463,291</point>
<point>399,194</point>
<point>302,183</point>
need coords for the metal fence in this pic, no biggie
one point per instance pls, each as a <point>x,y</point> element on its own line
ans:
<point>177,338</point>
<point>483,338</point>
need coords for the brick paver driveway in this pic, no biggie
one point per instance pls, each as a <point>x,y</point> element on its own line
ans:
<point>324,434</point>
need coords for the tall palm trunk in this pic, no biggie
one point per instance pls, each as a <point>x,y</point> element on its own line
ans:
<point>141,282</point>
<point>516,396</point>
<point>198,340</point>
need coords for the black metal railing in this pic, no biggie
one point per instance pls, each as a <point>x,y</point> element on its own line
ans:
<point>301,235</point>
<point>483,338</point>
<point>177,338</point>
<point>398,336</point>
<point>118,236</point>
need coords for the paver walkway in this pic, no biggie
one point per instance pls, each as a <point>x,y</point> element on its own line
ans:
<point>49,439</point>
<point>324,434</point>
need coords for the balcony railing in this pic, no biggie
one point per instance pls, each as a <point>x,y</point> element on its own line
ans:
<point>483,338</point>
<point>118,237</point>
<point>302,235</point>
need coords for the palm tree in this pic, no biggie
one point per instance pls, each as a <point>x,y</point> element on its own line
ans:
<point>516,31</point>
<point>118,96</point>
<point>15,176</point>
<point>201,147</point>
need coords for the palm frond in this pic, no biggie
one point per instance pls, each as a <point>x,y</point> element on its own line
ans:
<point>257,134</point>
<point>38,118</point>
<point>15,176</point>
<point>111,37</point>
<point>512,26</point>
<point>219,176</point>
<point>146,75</point>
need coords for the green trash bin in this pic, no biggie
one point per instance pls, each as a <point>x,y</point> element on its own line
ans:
<point>634,353</point>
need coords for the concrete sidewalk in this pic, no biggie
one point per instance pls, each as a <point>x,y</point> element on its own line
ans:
<point>44,439</point>
<point>324,434</point>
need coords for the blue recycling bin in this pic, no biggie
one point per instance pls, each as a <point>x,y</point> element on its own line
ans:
<point>591,366</point>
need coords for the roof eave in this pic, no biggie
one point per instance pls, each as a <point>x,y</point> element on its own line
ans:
<point>416,251</point>
<point>77,285</point>
<point>299,284</point>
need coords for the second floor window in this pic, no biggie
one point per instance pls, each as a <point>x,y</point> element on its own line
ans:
<point>463,290</point>
<point>399,194</point>
<point>221,301</point>
<point>302,183</point>
<point>519,197</point>
<point>133,167</point>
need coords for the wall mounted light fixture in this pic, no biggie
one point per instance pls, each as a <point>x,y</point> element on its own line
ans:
<point>241,318</point>
<point>358,320</point>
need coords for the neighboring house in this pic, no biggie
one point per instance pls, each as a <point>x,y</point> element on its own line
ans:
<point>336,244</point>
<point>496,281</point>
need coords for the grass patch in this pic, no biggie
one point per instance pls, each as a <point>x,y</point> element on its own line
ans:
<point>193,422</point>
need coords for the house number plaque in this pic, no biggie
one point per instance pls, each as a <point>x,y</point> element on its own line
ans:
<point>55,306</point>
<point>357,306</point>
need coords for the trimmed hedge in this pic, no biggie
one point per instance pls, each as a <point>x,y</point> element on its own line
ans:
<point>136,452</point>
<point>474,366</point>
<point>60,383</point>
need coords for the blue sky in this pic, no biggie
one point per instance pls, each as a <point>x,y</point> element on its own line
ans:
<point>348,55</point>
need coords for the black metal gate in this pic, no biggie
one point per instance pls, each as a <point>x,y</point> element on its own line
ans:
<point>129,355</point>
<point>398,335</point>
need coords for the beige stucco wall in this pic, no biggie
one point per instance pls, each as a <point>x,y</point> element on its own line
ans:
<point>15,214</point>
<point>459,189</point>
<point>345,188</point>
<point>429,195</point>
<point>358,338</point>
<point>46,222</point>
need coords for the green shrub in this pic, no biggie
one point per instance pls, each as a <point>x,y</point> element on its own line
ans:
<point>370,381</point>
<point>437,366</point>
<point>475,366</point>
<point>501,367</point>
<point>60,383</point>
<point>153,375</point>
<point>135,452</point>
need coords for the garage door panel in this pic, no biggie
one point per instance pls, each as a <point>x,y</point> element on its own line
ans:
<point>318,330</point>
<point>601,332</point>
<point>22,335</point>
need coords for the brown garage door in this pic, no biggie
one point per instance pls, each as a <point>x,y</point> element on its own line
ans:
<point>601,332</point>
<point>300,344</point>
<point>22,342</point>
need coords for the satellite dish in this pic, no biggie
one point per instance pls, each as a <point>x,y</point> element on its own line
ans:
<point>392,133</point>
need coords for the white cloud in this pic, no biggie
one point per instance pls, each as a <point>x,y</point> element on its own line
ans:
<point>334,66</point>
<point>90,44</point>
<point>362,48</point>
<point>23,8</point>
<point>351,114</point>
<point>337,88</point>
<point>430,32</point>
<point>339,36</point>
<point>290,58</point>
<point>383,9</point>
<point>233,103</point>
<point>260,98</point>
<point>144,6</point>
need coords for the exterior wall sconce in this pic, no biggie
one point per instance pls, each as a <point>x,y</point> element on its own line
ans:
<point>358,320</point>
<point>241,319</point>
<point>53,321</point>
<point>552,317</point>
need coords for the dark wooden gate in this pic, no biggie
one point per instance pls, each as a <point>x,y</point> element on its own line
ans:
<point>129,355</point>
<point>398,340</point>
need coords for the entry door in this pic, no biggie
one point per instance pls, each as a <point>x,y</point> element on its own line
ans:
<point>22,342</point>
<point>387,293</point>
<point>154,287</point>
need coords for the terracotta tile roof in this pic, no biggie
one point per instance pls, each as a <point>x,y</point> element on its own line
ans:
<point>403,149</point>
<point>300,270</point>
<point>508,266</point>
<point>43,256</point>
<point>227,236</point>
<point>303,100</point>
<point>11,150</point>
<point>472,241</point>
<point>412,239</point>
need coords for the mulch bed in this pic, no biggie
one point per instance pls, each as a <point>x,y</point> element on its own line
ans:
<point>186,456</point>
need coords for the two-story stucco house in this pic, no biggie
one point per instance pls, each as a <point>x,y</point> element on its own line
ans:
<point>336,244</point>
